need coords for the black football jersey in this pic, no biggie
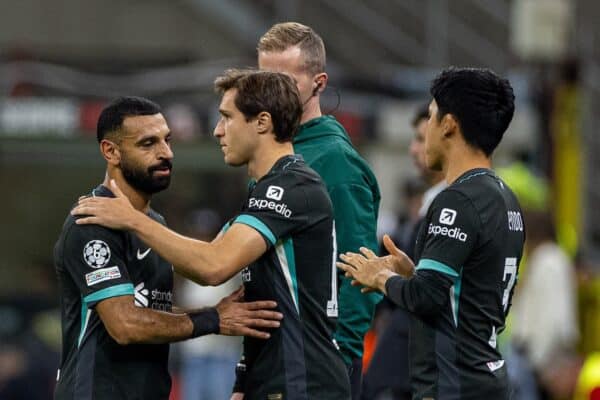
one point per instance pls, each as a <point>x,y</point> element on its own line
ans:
<point>94,263</point>
<point>291,209</point>
<point>468,251</point>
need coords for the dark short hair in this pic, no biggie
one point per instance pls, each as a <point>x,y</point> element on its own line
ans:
<point>112,116</point>
<point>481,101</point>
<point>422,113</point>
<point>271,92</point>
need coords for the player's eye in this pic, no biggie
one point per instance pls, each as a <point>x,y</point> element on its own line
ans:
<point>147,143</point>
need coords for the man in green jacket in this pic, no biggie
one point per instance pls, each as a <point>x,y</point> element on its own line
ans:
<point>296,49</point>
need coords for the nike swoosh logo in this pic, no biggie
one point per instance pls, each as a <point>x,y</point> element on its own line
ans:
<point>141,256</point>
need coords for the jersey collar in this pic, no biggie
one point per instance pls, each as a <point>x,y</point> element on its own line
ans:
<point>472,173</point>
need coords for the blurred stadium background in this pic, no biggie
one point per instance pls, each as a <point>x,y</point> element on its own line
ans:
<point>62,60</point>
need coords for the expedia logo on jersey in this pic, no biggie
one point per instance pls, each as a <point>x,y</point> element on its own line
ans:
<point>454,233</point>
<point>261,204</point>
<point>274,192</point>
<point>157,300</point>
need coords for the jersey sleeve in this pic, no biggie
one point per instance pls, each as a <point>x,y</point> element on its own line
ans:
<point>453,226</point>
<point>276,209</point>
<point>94,257</point>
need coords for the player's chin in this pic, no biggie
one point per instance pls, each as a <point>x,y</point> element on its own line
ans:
<point>233,161</point>
<point>159,184</point>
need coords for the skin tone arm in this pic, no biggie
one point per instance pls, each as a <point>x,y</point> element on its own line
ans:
<point>373,272</point>
<point>128,324</point>
<point>205,263</point>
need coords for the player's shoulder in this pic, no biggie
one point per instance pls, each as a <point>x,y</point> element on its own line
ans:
<point>481,193</point>
<point>292,183</point>
<point>289,172</point>
<point>451,197</point>
<point>481,187</point>
<point>72,232</point>
<point>462,198</point>
<point>157,216</point>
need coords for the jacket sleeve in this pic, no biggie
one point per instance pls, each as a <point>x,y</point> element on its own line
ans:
<point>355,212</point>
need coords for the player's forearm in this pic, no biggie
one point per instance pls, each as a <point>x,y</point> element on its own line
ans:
<point>142,325</point>
<point>195,259</point>
<point>151,326</point>
<point>426,293</point>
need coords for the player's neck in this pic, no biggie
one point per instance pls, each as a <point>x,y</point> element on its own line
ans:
<point>434,177</point>
<point>266,156</point>
<point>139,200</point>
<point>465,159</point>
<point>311,110</point>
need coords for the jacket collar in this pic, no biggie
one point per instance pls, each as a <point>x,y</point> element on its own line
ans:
<point>325,125</point>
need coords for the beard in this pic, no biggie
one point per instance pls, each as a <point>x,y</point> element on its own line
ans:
<point>144,179</point>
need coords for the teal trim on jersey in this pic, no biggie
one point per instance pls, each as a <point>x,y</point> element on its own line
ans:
<point>117,290</point>
<point>285,253</point>
<point>427,263</point>
<point>85,317</point>
<point>456,300</point>
<point>256,224</point>
<point>466,178</point>
<point>113,291</point>
<point>288,246</point>
<point>225,227</point>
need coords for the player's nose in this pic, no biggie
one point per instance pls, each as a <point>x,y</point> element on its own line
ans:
<point>219,131</point>
<point>165,151</point>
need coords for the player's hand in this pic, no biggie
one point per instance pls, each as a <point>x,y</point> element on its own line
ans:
<point>237,396</point>
<point>115,213</point>
<point>237,318</point>
<point>398,261</point>
<point>366,269</point>
<point>369,255</point>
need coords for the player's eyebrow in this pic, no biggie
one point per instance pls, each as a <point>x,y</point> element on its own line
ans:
<point>224,112</point>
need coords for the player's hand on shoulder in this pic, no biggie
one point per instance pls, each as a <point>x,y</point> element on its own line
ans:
<point>115,213</point>
<point>238,318</point>
<point>237,396</point>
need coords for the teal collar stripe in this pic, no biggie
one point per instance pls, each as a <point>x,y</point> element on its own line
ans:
<point>426,263</point>
<point>287,260</point>
<point>256,224</point>
<point>113,291</point>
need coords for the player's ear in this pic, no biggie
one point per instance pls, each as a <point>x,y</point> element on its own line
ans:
<point>449,125</point>
<point>321,82</point>
<point>264,123</point>
<point>110,151</point>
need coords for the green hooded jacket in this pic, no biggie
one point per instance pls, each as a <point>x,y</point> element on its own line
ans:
<point>352,186</point>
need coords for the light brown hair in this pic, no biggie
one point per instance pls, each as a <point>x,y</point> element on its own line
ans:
<point>289,34</point>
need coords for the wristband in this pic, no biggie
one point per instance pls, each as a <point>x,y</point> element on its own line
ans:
<point>205,322</point>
